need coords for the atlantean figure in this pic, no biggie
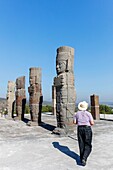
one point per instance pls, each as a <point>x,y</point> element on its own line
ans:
<point>35,95</point>
<point>10,98</point>
<point>65,90</point>
<point>20,97</point>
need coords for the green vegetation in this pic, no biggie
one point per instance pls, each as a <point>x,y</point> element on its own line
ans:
<point>27,109</point>
<point>104,109</point>
<point>47,108</point>
<point>76,109</point>
<point>5,112</point>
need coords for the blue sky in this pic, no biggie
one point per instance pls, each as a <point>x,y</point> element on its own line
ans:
<point>32,30</point>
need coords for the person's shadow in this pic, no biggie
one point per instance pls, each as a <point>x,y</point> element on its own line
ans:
<point>67,151</point>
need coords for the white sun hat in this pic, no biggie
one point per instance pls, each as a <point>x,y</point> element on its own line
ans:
<point>83,105</point>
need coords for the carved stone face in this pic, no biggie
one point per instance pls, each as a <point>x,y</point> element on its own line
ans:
<point>60,66</point>
<point>32,80</point>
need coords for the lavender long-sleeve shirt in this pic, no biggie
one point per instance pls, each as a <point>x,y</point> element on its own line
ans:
<point>83,118</point>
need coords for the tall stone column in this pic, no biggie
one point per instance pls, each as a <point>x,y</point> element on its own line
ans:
<point>20,97</point>
<point>54,100</point>
<point>65,90</point>
<point>35,94</point>
<point>95,106</point>
<point>10,98</point>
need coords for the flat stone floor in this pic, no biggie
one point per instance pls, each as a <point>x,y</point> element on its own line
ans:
<point>36,148</point>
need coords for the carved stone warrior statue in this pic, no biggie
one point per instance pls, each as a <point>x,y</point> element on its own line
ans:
<point>10,98</point>
<point>20,97</point>
<point>65,90</point>
<point>35,95</point>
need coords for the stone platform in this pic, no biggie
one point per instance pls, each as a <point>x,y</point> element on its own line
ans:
<point>36,148</point>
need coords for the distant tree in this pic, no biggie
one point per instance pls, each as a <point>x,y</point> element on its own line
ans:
<point>76,109</point>
<point>27,109</point>
<point>47,108</point>
<point>104,109</point>
<point>5,111</point>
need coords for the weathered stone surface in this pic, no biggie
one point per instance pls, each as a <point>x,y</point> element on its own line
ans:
<point>65,90</point>
<point>35,94</point>
<point>95,106</point>
<point>20,97</point>
<point>35,148</point>
<point>20,82</point>
<point>10,98</point>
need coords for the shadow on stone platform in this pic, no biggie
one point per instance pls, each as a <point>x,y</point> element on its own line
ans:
<point>68,152</point>
<point>47,126</point>
<point>25,120</point>
<point>106,119</point>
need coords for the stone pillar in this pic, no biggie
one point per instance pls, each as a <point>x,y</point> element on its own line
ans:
<point>95,106</point>
<point>35,94</point>
<point>54,100</point>
<point>10,98</point>
<point>65,90</point>
<point>20,97</point>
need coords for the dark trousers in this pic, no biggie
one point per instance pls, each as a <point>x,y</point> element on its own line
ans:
<point>84,139</point>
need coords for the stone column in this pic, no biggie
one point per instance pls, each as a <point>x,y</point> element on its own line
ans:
<point>10,98</point>
<point>20,97</point>
<point>35,94</point>
<point>65,90</point>
<point>54,100</point>
<point>95,106</point>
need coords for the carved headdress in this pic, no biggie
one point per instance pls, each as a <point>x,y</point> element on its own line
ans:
<point>66,54</point>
